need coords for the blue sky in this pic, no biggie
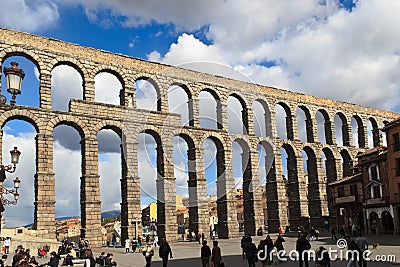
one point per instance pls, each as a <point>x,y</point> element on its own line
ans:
<point>345,50</point>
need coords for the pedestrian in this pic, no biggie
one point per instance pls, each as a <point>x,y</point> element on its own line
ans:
<point>261,250</point>
<point>7,244</point>
<point>342,232</point>
<point>302,247</point>
<point>280,231</point>
<point>205,254</point>
<point>199,238</point>
<point>134,245</point>
<point>279,247</point>
<point>203,237</point>
<point>164,252</point>
<point>363,246</point>
<point>259,232</point>
<point>127,245</point>
<point>155,241</point>
<point>243,242</point>
<point>270,246</point>
<point>353,252</point>
<point>113,240</point>
<point>216,256</point>
<point>89,261</point>
<point>148,253</point>
<point>312,233</point>
<point>54,260</point>
<point>251,253</point>
<point>333,233</point>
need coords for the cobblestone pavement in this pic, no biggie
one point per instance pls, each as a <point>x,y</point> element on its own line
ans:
<point>186,254</point>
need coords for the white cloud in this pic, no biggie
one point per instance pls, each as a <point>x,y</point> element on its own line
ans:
<point>66,84</point>
<point>32,15</point>
<point>107,87</point>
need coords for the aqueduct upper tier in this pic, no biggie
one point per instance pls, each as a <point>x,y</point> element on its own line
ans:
<point>288,202</point>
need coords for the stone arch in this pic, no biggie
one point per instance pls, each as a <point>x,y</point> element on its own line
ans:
<point>375,132</point>
<point>344,131</point>
<point>69,120</point>
<point>309,132</point>
<point>116,126</point>
<point>188,93</point>
<point>327,126</point>
<point>28,54</point>
<point>347,163</point>
<point>248,205</point>
<point>267,120</point>
<point>218,111</point>
<point>24,115</point>
<point>313,183</point>
<point>71,62</point>
<point>288,120</point>
<point>359,134</point>
<point>157,88</point>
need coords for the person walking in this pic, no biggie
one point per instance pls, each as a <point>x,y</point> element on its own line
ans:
<point>279,247</point>
<point>7,244</point>
<point>270,246</point>
<point>89,261</point>
<point>251,253</point>
<point>353,252</point>
<point>302,247</point>
<point>216,256</point>
<point>363,246</point>
<point>164,252</point>
<point>280,231</point>
<point>333,233</point>
<point>148,253</point>
<point>205,254</point>
<point>127,245</point>
<point>312,233</point>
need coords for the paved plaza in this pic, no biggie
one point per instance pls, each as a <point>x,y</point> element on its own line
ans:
<point>186,254</point>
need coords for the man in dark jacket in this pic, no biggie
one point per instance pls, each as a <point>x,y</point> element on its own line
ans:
<point>251,253</point>
<point>302,246</point>
<point>205,254</point>
<point>164,252</point>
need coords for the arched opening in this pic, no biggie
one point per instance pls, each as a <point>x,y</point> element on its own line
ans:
<point>290,172</point>
<point>20,133</point>
<point>210,110</point>
<point>187,189</point>
<point>237,115</point>
<point>331,176</point>
<point>341,130</point>
<point>261,119</point>
<point>374,223</point>
<point>66,84</point>
<point>284,121</point>
<point>242,171</point>
<point>110,171</point>
<point>347,163</point>
<point>30,95</point>
<point>387,222</point>
<point>357,132</point>
<point>324,127</point>
<point>107,88</point>
<point>214,160</point>
<point>373,133</point>
<point>313,185</point>
<point>180,101</point>
<point>147,95</point>
<point>304,124</point>
<point>67,151</point>
<point>265,169</point>
<point>150,168</point>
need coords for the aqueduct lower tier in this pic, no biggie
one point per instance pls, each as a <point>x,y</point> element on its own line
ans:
<point>291,201</point>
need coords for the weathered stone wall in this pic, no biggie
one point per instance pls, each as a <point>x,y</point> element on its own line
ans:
<point>89,117</point>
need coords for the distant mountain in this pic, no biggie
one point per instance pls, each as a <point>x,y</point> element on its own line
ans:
<point>104,215</point>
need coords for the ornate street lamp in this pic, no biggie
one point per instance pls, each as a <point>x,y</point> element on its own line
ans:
<point>14,77</point>
<point>9,168</point>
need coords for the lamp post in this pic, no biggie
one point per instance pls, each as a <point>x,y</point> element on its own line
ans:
<point>15,153</point>
<point>14,77</point>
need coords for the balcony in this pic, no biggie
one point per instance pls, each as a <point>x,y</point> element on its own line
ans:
<point>379,200</point>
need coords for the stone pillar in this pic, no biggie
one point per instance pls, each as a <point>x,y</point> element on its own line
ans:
<point>376,137</point>
<point>276,197</point>
<point>257,192</point>
<point>310,130</point>
<point>226,197</point>
<point>194,112</point>
<point>89,90</point>
<point>329,132</point>
<point>90,193</point>
<point>131,213</point>
<point>248,124</point>
<point>222,116</point>
<point>362,136</point>
<point>166,196</point>
<point>44,187</point>
<point>291,130</point>
<point>45,89</point>
<point>347,135</point>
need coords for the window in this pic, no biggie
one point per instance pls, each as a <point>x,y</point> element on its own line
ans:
<point>373,172</point>
<point>396,142</point>
<point>376,191</point>
<point>398,167</point>
<point>341,191</point>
